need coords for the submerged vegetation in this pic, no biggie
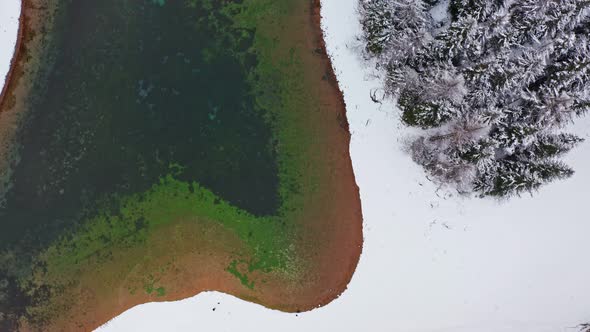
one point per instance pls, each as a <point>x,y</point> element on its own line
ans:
<point>492,83</point>
<point>153,155</point>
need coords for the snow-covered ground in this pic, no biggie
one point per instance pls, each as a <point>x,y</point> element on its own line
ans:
<point>431,263</point>
<point>9,13</point>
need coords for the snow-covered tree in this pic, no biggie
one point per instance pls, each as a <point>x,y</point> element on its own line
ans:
<point>492,86</point>
<point>395,28</point>
<point>514,176</point>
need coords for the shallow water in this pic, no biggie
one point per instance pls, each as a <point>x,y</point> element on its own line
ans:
<point>138,90</point>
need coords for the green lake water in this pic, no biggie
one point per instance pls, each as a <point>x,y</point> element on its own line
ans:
<point>137,89</point>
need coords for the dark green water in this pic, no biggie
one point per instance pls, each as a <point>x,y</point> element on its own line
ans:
<point>138,87</point>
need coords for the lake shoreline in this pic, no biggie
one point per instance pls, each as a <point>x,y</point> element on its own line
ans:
<point>15,56</point>
<point>8,112</point>
<point>331,225</point>
<point>30,51</point>
<point>353,236</point>
<point>334,227</point>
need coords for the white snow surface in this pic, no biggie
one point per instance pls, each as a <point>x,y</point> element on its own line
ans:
<point>440,12</point>
<point>9,14</point>
<point>431,262</point>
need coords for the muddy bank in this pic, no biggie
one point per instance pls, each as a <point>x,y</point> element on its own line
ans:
<point>31,50</point>
<point>8,111</point>
<point>15,56</point>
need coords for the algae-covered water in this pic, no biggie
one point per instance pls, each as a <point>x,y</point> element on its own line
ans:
<point>137,88</point>
<point>170,147</point>
<point>149,111</point>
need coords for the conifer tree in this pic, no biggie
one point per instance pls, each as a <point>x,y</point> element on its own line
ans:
<point>493,85</point>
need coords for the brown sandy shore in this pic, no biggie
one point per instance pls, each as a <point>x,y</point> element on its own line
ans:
<point>31,46</point>
<point>331,241</point>
<point>8,111</point>
<point>17,49</point>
